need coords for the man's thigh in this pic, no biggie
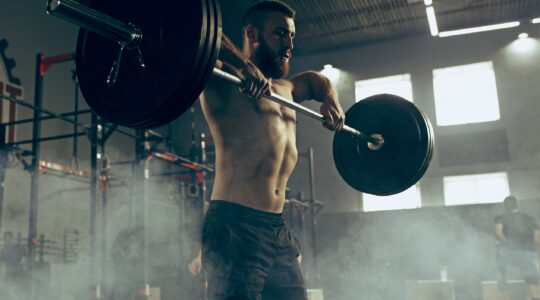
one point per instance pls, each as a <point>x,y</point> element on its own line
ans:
<point>521,265</point>
<point>285,293</point>
<point>243,281</point>
<point>286,281</point>
<point>236,266</point>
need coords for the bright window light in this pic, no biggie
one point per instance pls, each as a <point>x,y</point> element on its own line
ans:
<point>535,20</point>
<point>466,94</point>
<point>479,29</point>
<point>475,189</point>
<point>407,199</point>
<point>399,85</point>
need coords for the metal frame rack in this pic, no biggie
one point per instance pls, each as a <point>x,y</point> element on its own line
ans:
<point>97,133</point>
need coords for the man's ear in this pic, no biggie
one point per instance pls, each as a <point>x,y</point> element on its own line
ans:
<point>252,34</point>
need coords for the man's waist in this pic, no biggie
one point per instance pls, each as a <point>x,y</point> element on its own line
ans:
<point>236,212</point>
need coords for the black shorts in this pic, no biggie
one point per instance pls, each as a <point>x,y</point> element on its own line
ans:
<point>249,255</point>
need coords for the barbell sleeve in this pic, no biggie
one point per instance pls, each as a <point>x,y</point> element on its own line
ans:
<point>297,107</point>
<point>95,21</point>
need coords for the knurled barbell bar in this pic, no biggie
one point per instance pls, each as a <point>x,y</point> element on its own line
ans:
<point>148,79</point>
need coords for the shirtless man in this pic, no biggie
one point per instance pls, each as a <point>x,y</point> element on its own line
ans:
<point>247,250</point>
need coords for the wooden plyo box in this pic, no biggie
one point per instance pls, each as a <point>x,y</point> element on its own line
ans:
<point>315,294</point>
<point>515,290</point>
<point>429,290</point>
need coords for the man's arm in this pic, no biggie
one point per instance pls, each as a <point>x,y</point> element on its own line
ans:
<point>195,265</point>
<point>233,61</point>
<point>537,239</point>
<point>499,232</point>
<point>315,86</point>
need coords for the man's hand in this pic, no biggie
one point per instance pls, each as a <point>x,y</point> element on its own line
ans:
<point>333,114</point>
<point>194,266</point>
<point>255,85</point>
<point>313,85</point>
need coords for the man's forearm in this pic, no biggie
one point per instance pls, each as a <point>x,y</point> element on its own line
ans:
<point>231,55</point>
<point>321,88</point>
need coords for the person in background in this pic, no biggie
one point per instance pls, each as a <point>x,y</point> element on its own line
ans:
<point>518,239</point>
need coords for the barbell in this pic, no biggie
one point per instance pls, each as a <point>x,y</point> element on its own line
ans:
<point>143,66</point>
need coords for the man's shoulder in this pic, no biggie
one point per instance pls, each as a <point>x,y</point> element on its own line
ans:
<point>528,217</point>
<point>283,82</point>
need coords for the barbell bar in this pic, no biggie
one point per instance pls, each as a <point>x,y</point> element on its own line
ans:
<point>130,35</point>
<point>180,46</point>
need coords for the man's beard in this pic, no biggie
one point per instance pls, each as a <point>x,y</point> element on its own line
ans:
<point>270,63</point>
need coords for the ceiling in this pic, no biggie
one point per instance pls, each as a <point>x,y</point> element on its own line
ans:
<point>323,25</point>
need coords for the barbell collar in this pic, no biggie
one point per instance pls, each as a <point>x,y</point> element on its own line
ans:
<point>375,140</point>
<point>90,19</point>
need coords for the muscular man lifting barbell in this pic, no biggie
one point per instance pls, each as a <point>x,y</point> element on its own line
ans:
<point>144,79</point>
<point>247,250</point>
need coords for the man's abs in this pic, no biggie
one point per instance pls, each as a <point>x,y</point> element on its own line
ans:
<point>255,148</point>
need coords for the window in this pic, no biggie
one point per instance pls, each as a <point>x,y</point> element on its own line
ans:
<point>466,94</point>
<point>474,189</point>
<point>397,84</point>
<point>407,199</point>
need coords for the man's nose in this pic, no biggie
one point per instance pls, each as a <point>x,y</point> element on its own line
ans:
<point>288,43</point>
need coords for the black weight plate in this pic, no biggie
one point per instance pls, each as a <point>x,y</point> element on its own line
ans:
<point>171,44</point>
<point>427,162</point>
<point>211,52</point>
<point>406,152</point>
<point>170,111</point>
<point>427,127</point>
<point>217,44</point>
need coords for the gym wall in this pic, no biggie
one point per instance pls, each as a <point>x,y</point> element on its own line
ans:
<point>507,145</point>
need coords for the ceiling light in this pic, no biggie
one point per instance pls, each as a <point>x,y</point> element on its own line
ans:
<point>523,35</point>
<point>432,21</point>
<point>478,29</point>
<point>428,2</point>
<point>535,20</point>
<point>331,73</point>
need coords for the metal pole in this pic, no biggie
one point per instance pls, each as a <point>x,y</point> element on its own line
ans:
<point>45,139</point>
<point>104,180</point>
<point>23,121</point>
<point>312,211</point>
<point>139,200</point>
<point>34,169</point>
<point>75,149</point>
<point>40,109</point>
<point>202,161</point>
<point>4,152</point>
<point>93,200</point>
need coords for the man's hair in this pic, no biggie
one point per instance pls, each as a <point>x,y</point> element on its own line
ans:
<point>510,204</point>
<point>257,13</point>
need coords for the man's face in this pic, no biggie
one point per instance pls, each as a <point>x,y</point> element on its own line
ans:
<point>275,46</point>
